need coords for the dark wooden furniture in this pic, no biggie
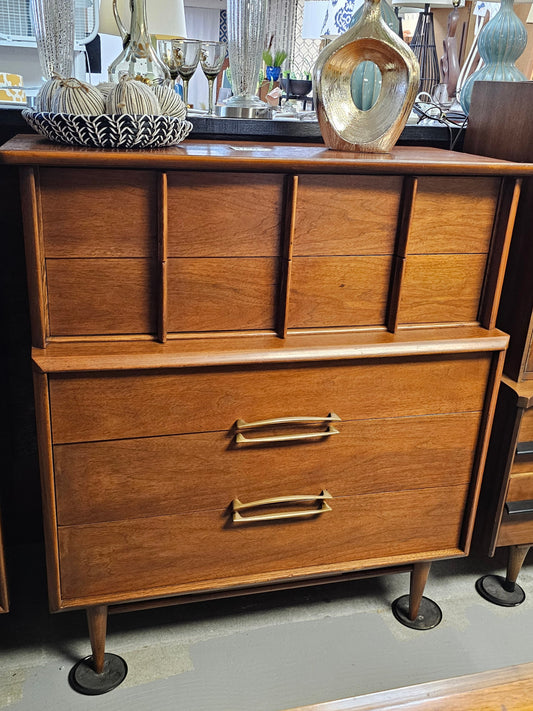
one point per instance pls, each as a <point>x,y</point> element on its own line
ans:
<point>500,126</point>
<point>4,602</point>
<point>258,367</point>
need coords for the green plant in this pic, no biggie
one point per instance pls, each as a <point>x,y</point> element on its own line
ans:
<point>275,60</point>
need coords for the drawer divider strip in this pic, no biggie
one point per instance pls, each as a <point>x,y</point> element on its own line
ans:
<point>162,249</point>
<point>410,186</point>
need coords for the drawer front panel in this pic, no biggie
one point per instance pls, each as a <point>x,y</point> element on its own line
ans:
<point>111,406</point>
<point>101,296</point>
<point>160,475</point>
<point>135,556</point>
<point>224,214</point>
<point>526,427</point>
<point>98,213</point>
<point>222,294</point>
<point>338,291</point>
<point>442,288</point>
<point>520,486</point>
<point>529,364</point>
<point>453,215</point>
<point>346,215</point>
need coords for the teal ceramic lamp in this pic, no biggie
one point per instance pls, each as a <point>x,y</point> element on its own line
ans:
<point>501,42</point>
<point>366,78</point>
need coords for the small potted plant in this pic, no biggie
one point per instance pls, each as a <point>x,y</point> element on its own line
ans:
<point>273,62</point>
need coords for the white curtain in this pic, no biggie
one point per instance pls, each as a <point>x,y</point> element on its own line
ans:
<point>203,24</point>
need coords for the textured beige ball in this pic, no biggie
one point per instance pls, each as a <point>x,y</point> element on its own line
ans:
<point>171,103</point>
<point>133,97</point>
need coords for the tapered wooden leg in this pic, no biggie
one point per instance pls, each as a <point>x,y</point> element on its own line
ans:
<point>100,672</point>
<point>414,610</point>
<point>419,576</point>
<point>517,555</point>
<point>505,591</point>
<point>97,622</point>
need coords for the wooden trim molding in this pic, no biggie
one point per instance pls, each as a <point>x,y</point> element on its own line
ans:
<point>510,688</point>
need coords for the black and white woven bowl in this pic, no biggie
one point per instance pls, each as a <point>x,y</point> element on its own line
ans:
<point>109,130</point>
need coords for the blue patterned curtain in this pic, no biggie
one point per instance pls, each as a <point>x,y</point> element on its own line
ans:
<point>339,15</point>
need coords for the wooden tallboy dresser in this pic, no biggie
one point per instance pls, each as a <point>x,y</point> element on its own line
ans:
<point>505,516</point>
<point>259,366</point>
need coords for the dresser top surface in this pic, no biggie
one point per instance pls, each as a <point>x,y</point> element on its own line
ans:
<point>252,156</point>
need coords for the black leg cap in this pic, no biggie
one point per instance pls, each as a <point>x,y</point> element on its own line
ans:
<point>492,588</point>
<point>429,613</point>
<point>85,680</point>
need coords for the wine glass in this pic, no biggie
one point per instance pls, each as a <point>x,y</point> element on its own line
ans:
<point>212,56</point>
<point>186,55</point>
<point>166,55</point>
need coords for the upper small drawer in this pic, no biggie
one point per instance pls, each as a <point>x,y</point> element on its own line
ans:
<point>526,427</point>
<point>224,214</point>
<point>346,214</point>
<point>98,213</point>
<point>453,215</point>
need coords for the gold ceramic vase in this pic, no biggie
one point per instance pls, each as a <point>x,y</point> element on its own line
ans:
<point>343,125</point>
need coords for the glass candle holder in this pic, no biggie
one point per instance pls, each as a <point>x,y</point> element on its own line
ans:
<point>53,24</point>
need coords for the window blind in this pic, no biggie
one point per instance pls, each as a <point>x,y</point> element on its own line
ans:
<point>16,26</point>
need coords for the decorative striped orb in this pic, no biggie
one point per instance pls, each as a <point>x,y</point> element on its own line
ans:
<point>43,100</point>
<point>132,97</point>
<point>170,102</point>
<point>77,97</point>
<point>105,87</point>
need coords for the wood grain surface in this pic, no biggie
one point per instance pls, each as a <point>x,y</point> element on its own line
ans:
<point>115,406</point>
<point>190,547</point>
<point>122,354</point>
<point>346,215</point>
<point>152,476</point>
<point>440,288</point>
<point>222,294</point>
<point>224,214</point>
<point>453,215</point>
<point>526,427</point>
<point>98,213</point>
<point>215,155</point>
<point>509,689</point>
<point>101,296</point>
<point>338,291</point>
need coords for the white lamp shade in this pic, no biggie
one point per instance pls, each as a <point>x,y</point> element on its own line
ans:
<point>165,18</point>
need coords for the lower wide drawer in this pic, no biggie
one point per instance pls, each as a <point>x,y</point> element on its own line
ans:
<point>154,476</point>
<point>183,552</point>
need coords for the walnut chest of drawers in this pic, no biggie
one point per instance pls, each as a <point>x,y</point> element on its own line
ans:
<point>506,515</point>
<point>259,366</point>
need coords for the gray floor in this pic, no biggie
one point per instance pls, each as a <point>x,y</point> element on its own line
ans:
<point>266,652</point>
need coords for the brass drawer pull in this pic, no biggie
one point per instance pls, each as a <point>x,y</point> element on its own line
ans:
<point>239,506</point>
<point>242,425</point>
